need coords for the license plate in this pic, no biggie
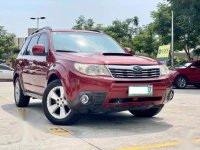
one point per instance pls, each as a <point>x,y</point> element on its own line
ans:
<point>140,90</point>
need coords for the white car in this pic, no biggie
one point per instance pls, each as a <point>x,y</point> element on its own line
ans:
<point>6,73</point>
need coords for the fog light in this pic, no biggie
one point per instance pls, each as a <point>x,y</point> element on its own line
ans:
<point>84,99</point>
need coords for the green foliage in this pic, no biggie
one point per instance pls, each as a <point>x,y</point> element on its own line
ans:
<point>148,38</point>
<point>196,52</point>
<point>178,60</point>
<point>187,24</point>
<point>83,24</point>
<point>162,23</point>
<point>7,46</point>
<point>146,41</point>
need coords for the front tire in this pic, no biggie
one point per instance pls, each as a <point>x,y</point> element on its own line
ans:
<point>147,113</point>
<point>20,99</point>
<point>55,105</point>
<point>180,82</point>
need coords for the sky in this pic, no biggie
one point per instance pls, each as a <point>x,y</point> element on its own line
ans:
<point>61,14</point>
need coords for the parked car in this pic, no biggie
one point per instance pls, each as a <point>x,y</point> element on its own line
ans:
<point>187,73</point>
<point>75,71</point>
<point>6,73</point>
<point>2,61</point>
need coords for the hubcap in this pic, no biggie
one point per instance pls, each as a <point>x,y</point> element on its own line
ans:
<point>57,103</point>
<point>17,92</point>
<point>181,82</point>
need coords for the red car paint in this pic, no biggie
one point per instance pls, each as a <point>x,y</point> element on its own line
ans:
<point>35,72</point>
<point>191,72</point>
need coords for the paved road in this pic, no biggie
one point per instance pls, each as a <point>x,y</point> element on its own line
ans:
<point>176,127</point>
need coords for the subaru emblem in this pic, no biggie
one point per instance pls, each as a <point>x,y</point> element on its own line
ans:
<point>137,69</point>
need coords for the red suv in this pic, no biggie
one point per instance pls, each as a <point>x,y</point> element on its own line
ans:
<point>75,71</point>
<point>186,74</point>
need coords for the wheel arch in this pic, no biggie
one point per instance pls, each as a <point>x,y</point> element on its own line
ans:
<point>53,76</point>
<point>15,77</point>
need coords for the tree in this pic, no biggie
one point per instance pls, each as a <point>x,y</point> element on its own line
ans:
<point>187,24</point>
<point>146,41</point>
<point>196,52</point>
<point>162,23</point>
<point>124,31</point>
<point>83,24</point>
<point>7,46</point>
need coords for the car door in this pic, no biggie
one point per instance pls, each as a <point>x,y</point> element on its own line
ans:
<point>26,61</point>
<point>39,66</point>
<point>6,72</point>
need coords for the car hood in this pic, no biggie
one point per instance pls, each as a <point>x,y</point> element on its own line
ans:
<point>101,58</point>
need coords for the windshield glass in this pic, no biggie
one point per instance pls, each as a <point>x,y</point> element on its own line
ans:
<point>184,65</point>
<point>81,42</point>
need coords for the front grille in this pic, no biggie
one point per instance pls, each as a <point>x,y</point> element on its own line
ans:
<point>120,71</point>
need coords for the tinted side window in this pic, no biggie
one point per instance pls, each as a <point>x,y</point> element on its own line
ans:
<point>44,41</point>
<point>25,45</point>
<point>4,68</point>
<point>197,65</point>
<point>33,42</point>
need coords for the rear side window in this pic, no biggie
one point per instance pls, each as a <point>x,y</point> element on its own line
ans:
<point>4,67</point>
<point>33,42</point>
<point>197,65</point>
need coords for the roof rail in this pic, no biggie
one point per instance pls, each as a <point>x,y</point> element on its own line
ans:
<point>44,28</point>
<point>96,31</point>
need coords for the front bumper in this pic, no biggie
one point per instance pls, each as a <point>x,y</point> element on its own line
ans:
<point>107,94</point>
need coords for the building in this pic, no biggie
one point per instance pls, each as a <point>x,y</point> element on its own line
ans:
<point>19,41</point>
<point>31,30</point>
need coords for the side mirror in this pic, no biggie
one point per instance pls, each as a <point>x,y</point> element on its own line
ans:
<point>129,51</point>
<point>38,50</point>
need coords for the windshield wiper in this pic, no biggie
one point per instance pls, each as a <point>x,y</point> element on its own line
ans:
<point>68,51</point>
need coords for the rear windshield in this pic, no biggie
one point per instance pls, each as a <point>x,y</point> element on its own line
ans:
<point>82,42</point>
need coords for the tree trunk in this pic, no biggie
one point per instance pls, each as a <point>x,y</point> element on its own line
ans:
<point>187,51</point>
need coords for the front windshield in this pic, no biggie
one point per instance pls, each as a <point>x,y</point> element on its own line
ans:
<point>82,42</point>
<point>184,65</point>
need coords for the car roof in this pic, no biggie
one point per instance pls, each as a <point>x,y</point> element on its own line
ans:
<point>71,30</point>
<point>49,29</point>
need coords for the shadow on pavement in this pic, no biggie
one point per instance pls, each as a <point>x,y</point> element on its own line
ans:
<point>92,125</point>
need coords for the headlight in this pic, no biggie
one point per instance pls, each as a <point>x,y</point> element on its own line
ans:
<point>92,69</point>
<point>164,70</point>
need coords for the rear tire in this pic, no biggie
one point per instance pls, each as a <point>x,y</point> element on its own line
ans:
<point>147,113</point>
<point>55,105</point>
<point>20,99</point>
<point>180,82</point>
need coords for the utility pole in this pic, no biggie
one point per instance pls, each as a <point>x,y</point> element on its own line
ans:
<point>172,40</point>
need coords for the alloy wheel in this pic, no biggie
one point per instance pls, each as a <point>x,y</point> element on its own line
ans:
<point>181,82</point>
<point>57,103</point>
<point>17,91</point>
